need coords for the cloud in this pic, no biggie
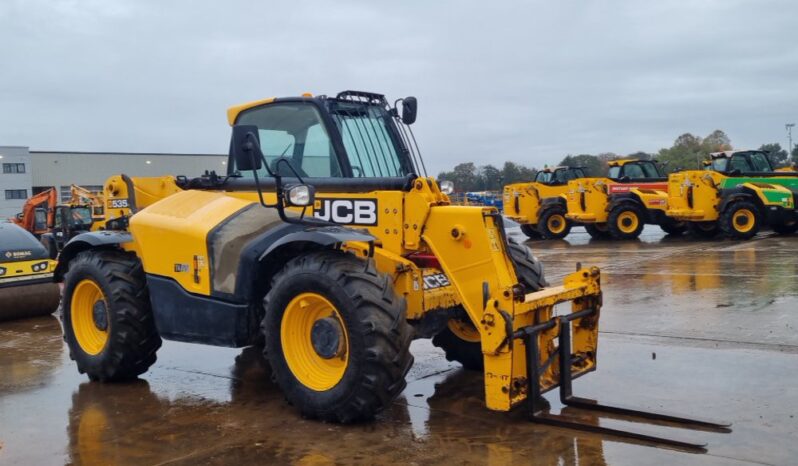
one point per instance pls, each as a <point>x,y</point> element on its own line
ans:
<point>496,81</point>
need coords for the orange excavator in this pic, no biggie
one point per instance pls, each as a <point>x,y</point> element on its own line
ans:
<point>38,212</point>
<point>54,224</point>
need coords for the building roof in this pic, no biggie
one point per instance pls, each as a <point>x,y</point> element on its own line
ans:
<point>148,154</point>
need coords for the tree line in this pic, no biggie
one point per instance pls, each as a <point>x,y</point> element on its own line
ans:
<point>687,153</point>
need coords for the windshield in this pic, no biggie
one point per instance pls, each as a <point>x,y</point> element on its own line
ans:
<point>293,131</point>
<point>371,148</point>
<point>719,164</point>
<point>80,216</point>
<point>615,172</point>
<point>559,176</point>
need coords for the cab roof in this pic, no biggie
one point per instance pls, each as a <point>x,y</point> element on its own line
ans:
<point>621,162</point>
<point>728,153</point>
<point>358,96</point>
<point>553,169</point>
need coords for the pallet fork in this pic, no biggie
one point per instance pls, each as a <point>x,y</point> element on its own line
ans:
<point>537,406</point>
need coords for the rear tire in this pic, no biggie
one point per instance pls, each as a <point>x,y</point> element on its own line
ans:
<point>553,224</point>
<point>597,230</point>
<point>672,227</point>
<point>370,338</point>
<point>464,348</point>
<point>530,231</point>
<point>528,268</point>
<point>786,228</point>
<point>626,221</point>
<point>740,220</point>
<point>107,319</point>
<point>703,230</point>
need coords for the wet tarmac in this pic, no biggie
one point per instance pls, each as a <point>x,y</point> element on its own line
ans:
<point>702,328</point>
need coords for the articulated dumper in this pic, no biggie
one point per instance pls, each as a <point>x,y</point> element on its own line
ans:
<point>326,243</point>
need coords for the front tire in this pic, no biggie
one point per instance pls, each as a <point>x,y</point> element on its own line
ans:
<point>703,230</point>
<point>461,342</point>
<point>336,337</point>
<point>530,231</point>
<point>740,220</point>
<point>626,221</point>
<point>553,224</point>
<point>528,268</point>
<point>597,230</point>
<point>107,319</point>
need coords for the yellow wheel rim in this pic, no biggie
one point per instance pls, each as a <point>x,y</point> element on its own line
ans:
<point>628,222</point>
<point>556,224</point>
<point>296,329</point>
<point>464,330</point>
<point>743,220</point>
<point>87,311</point>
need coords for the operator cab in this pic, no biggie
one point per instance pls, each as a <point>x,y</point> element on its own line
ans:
<point>629,170</point>
<point>352,135</point>
<point>558,175</point>
<point>739,162</point>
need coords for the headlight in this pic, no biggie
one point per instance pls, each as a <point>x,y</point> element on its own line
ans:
<point>2,271</point>
<point>40,267</point>
<point>300,195</point>
<point>447,187</point>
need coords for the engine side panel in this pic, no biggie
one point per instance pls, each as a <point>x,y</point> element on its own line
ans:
<point>170,236</point>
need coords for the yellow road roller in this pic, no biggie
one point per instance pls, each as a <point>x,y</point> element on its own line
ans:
<point>27,288</point>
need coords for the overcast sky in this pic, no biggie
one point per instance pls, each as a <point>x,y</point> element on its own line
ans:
<point>495,80</point>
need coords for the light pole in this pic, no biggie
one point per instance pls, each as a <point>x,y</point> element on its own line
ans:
<point>789,127</point>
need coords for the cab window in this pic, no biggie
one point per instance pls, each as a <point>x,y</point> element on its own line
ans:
<point>633,170</point>
<point>293,132</point>
<point>739,162</point>
<point>543,177</point>
<point>39,219</point>
<point>760,162</point>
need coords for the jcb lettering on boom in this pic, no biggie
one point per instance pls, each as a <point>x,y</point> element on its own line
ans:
<point>347,211</point>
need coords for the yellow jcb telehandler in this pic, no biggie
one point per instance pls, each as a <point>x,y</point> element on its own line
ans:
<point>324,244</point>
<point>737,193</point>
<point>540,206</point>
<point>633,194</point>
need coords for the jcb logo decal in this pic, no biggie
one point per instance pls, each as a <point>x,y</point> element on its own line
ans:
<point>438,280</point>
<point>346,211</point>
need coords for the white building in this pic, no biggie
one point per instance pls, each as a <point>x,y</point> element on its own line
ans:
<point>26,172</point>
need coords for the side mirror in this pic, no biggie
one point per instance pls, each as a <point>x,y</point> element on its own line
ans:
<point>409,110</point>
<point>245,148</point>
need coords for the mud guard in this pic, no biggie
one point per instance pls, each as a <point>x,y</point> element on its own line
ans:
<point>86,241</point>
